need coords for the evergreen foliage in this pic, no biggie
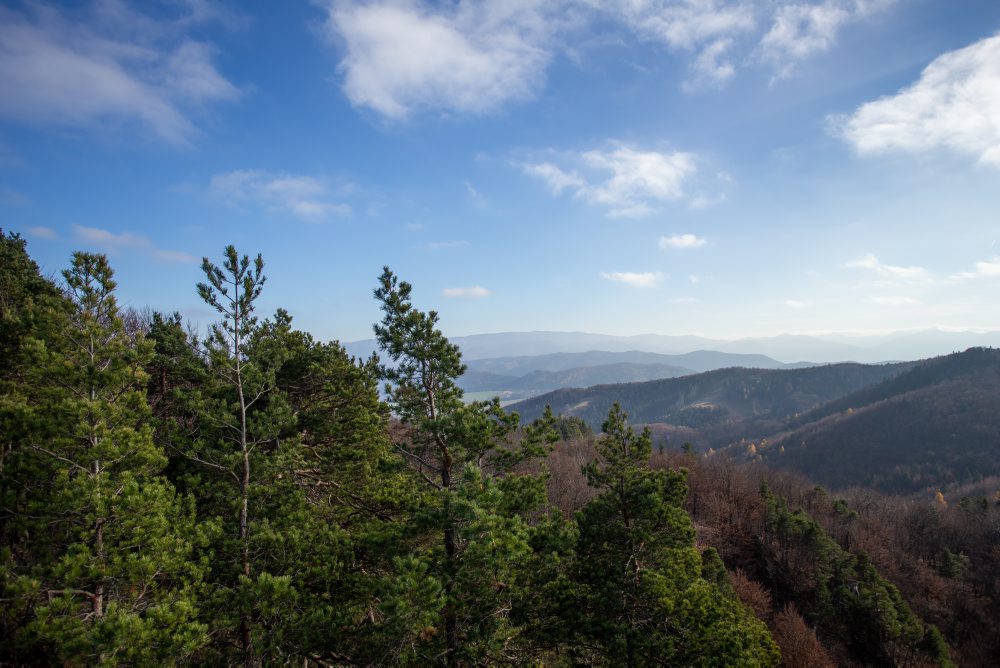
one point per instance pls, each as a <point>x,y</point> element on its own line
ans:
<point>842,591</point>
<point>249,498</point>
<point>105,568</point>
<point>477,501</point>
<point>639,595</point>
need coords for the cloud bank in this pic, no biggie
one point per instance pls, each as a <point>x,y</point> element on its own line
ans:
<point>474,57</point>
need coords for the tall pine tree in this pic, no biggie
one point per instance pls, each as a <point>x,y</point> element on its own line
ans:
<point>452,601</point>
<point>105,569</point>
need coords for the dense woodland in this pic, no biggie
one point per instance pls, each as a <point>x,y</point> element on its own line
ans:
<point>249,496</point>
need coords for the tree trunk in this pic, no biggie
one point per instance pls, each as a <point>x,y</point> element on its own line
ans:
<point>450,550</point>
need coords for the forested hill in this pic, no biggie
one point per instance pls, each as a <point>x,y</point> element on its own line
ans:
<point>936,426</point>
<point>716,397</point>
<point>474,380</point>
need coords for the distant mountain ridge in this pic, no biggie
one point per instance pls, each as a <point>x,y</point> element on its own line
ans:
<point>476,380</point>
<point>516,378</point>
<point>694,362</point>
<point>787,348</point>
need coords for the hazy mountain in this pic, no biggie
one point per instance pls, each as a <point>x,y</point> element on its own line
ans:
<point>623,372</point>
<point>474,380</point>
<point>908,345</point>
<point>794,348</point>
<point>931,343</point>
<point>506,344</point>
<point>936,425</point>
<point>697,361</point>
<point>721,397</point>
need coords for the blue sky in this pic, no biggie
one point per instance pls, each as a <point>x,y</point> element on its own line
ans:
<point>715,167</point>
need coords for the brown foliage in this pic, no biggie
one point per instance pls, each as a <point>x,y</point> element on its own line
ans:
<point>800,648</point>
<point>752,594</point>
<point>567,486</point>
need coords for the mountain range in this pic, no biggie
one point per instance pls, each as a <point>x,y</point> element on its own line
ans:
<point>521,377</point>
<point>786,348</point>
<point>907,428</point>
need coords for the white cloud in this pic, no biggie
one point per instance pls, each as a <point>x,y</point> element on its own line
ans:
<point>628,182</point>
<point>705,28</point>
<point>110,242</point>
<point>686,24</point>
<point>896,301</point>
<point>81,69</point>
<point>556,179</point>
<point>712,66</point>
<point>400,57</point>
<point>795,303</point>
<point>174,257</point>
<point>694,279</point>
<point>475,197</point>
<point>872,263</point>
<point>801,30</point>
<point>472,292</point>
<point>42,232</point>
<point>637,177</point>
<point>704,201</point>
<point>682,241</point>
<point>988,269</point>
<point>715,31</point>
<point>955,105</point>
<point>648,279</point>
<point>445,245</point>
<point>12,197</point>
<point>306,197</point>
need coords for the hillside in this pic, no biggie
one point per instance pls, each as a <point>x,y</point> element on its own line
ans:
<point>476,380</point>
<point>716,397</point>
<point>934,426</point>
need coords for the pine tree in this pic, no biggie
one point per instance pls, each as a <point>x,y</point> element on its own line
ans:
<point>640,597</point>
<point>242,415</point>
<point>105,570</point>
<point>290,438</point>
<point>336,499</point>
<point>468,460</point>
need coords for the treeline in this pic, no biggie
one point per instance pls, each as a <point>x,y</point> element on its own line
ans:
<point>246,497</point>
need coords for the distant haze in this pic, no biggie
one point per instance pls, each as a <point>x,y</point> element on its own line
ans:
<point>786,349</point>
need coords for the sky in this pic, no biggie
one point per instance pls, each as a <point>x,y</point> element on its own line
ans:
<point>726,168</point>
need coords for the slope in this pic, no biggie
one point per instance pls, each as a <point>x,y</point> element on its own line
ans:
<point>715,397</point>
<point>934,426</point>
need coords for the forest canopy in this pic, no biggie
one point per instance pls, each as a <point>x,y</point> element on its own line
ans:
<point>251,495</point>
